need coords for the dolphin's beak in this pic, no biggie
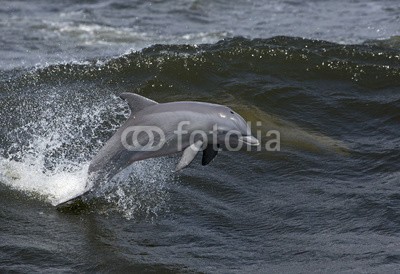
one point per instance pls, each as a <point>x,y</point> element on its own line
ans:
<point>249,140</point>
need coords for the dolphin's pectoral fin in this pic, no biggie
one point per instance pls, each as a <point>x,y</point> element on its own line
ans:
<point>136,102</point>
<point>208,154</point>
<point>188,155</point>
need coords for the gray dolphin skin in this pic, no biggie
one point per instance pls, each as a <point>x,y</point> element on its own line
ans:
<point>155,130</point>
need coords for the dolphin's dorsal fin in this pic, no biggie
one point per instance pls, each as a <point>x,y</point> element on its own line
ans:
<point>137,102</point>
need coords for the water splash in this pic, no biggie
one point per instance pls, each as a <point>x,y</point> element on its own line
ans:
<point>49,157</point>
<point>49,154</point>
<point>59,132</point>
<point>140,191</point>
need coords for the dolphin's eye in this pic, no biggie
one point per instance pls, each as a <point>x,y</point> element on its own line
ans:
<point>232,112</point>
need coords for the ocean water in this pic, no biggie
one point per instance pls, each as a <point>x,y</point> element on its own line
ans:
<point>325,74</point>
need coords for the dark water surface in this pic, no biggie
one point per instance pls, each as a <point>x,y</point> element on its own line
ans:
<point>327,202</point>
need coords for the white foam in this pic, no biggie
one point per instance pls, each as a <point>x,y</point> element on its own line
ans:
<point>90,34</point>
<point>53,187</point>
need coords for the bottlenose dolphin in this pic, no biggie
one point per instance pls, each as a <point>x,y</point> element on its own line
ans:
<point>177,126</point>
<point>155,130</point>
